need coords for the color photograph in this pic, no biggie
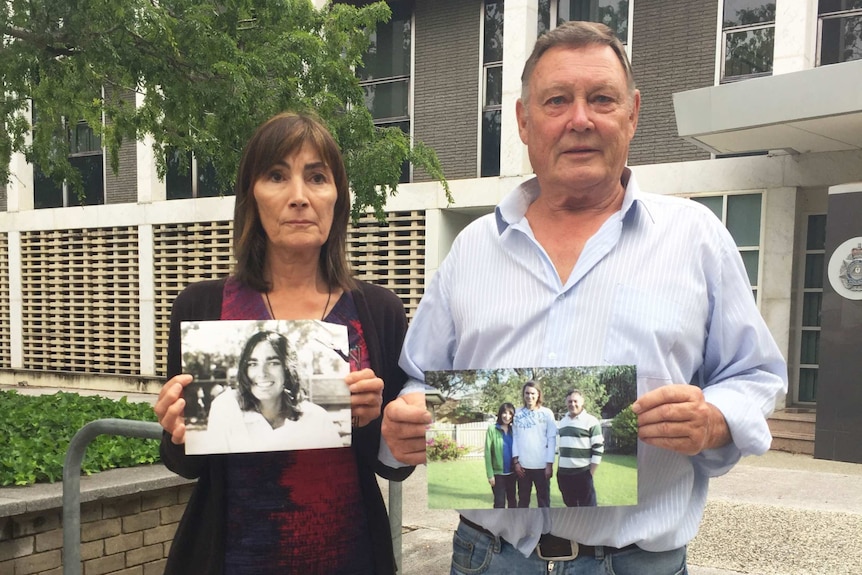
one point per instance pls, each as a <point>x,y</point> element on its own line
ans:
<point>533,437</point>
<point>265,386</point>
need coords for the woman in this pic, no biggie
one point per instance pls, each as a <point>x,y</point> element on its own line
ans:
<point>267,411</point>
<point>498,458</point>
<point>306,511</point>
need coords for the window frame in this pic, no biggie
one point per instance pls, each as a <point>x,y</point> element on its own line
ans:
<point>398,121</point>
<point>553,6</point>
<point>756,288</point>
<point>725,31</point>
<point>486,109</point>
<point>796,366</point>
<point>67,196</point>
<point>834,15</point>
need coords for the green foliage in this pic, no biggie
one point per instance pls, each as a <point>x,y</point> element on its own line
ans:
<point>624,429</point>
<point>35,432</point>
<point>205,75</point>
<point>505,386</point>
<point>444,448</point>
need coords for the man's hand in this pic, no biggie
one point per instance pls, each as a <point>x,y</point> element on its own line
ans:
<point>519,470</point>
<point>677,417</point>
<point>405,420</point>
<point>549,470</point>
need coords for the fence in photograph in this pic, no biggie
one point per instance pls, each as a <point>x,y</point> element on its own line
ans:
<point>471,435</point>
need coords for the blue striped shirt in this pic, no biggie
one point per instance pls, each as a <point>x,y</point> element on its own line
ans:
<point>661,286</point>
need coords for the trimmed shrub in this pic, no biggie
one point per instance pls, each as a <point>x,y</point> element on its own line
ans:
<point>444,448</point>
<point>624,430</point>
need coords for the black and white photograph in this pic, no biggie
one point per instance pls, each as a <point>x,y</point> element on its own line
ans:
<point>533,437</point>
<point>269,385</point>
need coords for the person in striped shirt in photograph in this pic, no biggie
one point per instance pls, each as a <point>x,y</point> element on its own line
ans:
<point>581,447</point>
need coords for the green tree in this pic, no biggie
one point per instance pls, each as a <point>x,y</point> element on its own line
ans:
<point>208,73</point>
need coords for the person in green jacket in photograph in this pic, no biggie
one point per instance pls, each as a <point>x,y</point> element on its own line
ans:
<point>498,458</point>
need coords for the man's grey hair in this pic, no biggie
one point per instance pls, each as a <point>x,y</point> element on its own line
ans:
<point>576,34</point>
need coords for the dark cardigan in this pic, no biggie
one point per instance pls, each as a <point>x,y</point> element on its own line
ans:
<point>198,543</point>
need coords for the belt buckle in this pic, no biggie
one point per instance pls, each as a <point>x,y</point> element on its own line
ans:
<point>556,549</point>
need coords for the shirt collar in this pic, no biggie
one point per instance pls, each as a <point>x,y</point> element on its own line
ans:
<point>513,207</point>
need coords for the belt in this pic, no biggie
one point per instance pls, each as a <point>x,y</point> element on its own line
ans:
<point>553,548</point>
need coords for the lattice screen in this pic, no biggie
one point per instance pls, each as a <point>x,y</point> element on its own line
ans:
<point>391,254</point>
<point>184,254</point>
<point>81,300</point>
<point>5,319</point>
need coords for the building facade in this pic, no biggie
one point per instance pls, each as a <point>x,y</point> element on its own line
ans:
<point>750,107</point>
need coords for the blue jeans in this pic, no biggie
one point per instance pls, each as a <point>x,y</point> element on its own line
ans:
<point>475,552</point>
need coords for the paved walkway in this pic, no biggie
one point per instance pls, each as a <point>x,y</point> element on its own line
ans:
<point>779,514</point>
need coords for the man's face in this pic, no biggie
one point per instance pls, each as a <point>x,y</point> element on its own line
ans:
<point>575,404</point>
<point>578,120</point>
<point>531,397</point>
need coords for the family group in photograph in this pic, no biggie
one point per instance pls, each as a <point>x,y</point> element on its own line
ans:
<point>521,447</point>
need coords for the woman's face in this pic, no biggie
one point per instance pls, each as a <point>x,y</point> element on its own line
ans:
<point>265,372</point>
<point>506,417</point>
<point>296,201</point>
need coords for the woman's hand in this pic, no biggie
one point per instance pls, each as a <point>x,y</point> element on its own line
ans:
<point>170,407</point>
<point>366,396</point>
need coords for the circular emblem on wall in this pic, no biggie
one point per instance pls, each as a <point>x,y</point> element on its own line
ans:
<point>845,269</point>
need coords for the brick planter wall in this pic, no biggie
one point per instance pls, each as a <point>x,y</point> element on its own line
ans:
<point>126,533</point>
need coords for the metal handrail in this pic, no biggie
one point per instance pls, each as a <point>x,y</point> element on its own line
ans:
<point>146,430</point>
<point>72,478</point>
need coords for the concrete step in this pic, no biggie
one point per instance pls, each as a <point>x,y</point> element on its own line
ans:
<point>793,431</point>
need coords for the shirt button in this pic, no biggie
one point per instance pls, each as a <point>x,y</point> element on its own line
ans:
<point>561,297</point>
<point>552,355</point>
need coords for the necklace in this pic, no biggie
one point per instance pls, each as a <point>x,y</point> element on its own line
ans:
<point>325,307</point>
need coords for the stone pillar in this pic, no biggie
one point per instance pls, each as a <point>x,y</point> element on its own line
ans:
<point>520,25</point>
<point>839,385</point>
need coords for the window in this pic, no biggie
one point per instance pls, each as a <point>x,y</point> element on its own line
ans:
<point>613,13</point>
<point>748,39</point>
<point>741,215</point>
<point>385,77</point>
<point>840,24</point>
<point>492,82</point>
<point>86,156</point>
<point>808,324</point>
<point>192,180</point>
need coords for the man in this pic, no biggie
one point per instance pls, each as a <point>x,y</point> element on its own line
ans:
<point>581,447</point>
<point>578,266</point>
<point>534,445</point>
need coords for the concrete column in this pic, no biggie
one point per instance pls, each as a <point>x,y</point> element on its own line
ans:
<point>16,301</point>
<point>520,23</point>
<point>795,36</point>
<point>147,299</point>
<point>150,188</point>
